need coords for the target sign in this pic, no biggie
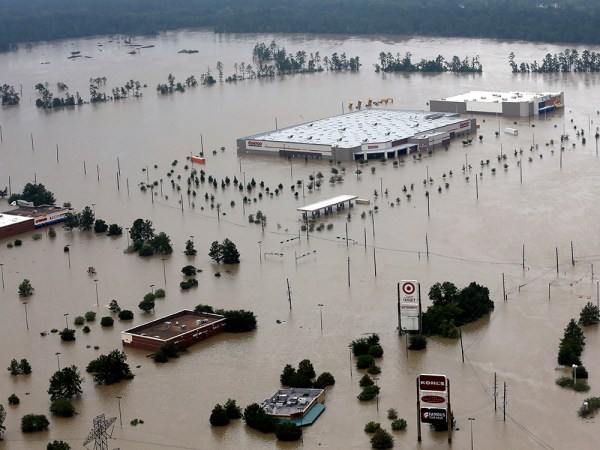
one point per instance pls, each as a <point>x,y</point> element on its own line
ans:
<point>408,287</point>
<point>409,304</point>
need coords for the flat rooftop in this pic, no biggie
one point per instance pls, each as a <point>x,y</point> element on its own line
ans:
<point>173,325</point>
<point>497,96</point>
<point>327,202</point>
<point>361,127</point>
<point>34,211</point>
<point>287,402</point>
<point>6,219</point>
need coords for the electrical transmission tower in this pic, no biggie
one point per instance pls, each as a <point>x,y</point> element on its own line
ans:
<point>99,434</point>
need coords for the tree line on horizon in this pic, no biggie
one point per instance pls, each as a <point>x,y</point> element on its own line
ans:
<point>569,60</point>
<point>531,20</point>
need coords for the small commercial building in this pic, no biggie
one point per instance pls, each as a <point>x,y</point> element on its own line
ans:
<point>301,406</point>
<point>183,328</point>
<point>517,104</point>
<point>26,218</point>
<point>13,225</point>
<point>370,133</point>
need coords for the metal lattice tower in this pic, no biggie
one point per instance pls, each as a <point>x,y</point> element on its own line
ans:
<point>99,433</point>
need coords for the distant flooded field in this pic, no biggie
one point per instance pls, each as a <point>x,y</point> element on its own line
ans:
<point>474,233</point>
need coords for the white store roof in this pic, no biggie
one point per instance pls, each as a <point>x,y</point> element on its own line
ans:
<point>7,219</point>
<point>361,127</point>
<point>497,96</point>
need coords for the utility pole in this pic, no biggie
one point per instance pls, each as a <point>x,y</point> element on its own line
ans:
<point>504,402</point>
<point>503,288</point>
<point>572,255</point>
<point>346,234</point>
<point>427,245</point>
<point>556,260</point>
<point>462,350</point>
<point>495,391</point>
<point>289,292</point>
<point>348,271</point>
<point>374,261</point>
<point>523,256</point>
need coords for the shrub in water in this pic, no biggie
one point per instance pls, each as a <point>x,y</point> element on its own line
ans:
<point>364,361</point>
<point>399,424</point>
<point>107,321</point>
<point>372,427</point>
<point>79,320</point>
<point>125,315</point>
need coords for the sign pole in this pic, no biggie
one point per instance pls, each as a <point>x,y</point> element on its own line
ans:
<point>418,413</point>
<point>449,415</point>
<point>420,310</point>
<point>399,316</point>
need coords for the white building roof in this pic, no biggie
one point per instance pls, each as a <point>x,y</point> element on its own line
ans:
<point>497,96</point>
<point>361,127</point>
<point>7,219</point>
<point>327,202</point>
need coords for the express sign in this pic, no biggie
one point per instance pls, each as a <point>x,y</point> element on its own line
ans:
<point>433,382</point>
<point>429,415</point>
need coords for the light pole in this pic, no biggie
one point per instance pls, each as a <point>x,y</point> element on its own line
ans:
<point>66,322</point>
<point>192,239</point>
<point>120,417</point>
<point>260,250</point>
<point>350,347</point>
<point>471,419</point>
<point>164,271</point>
<point>152,289</point>
<point>68,251</point>
<point>321,315</point>
<point>574,374</point>
<point>127,230</point>
<point>97,300</point>
<point>26,321</point>
<point>94,209</point>
<point>2,271</point>
<point>58,360</point>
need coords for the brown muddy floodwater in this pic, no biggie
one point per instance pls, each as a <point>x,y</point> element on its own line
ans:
<point>470,239</point>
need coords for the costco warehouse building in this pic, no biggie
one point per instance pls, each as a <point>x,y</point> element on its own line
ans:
<point>365,134</point>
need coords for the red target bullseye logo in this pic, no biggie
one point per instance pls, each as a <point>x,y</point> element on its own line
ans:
<point>408,288</point>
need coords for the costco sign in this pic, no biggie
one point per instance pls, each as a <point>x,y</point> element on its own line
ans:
<point>254,144</point>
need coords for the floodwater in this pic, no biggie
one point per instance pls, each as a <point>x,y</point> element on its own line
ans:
<point>470,239</point>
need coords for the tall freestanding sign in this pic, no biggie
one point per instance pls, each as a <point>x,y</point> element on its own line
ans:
<point>433,403</point>
<point>409,306</point>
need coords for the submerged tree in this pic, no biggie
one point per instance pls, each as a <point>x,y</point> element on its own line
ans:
<point>34,193</point>
<point>111,368</point>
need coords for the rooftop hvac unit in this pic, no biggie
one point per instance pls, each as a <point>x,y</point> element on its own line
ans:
<point>168,324</point>
<point>183,327</point>
<point>198,322</point>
